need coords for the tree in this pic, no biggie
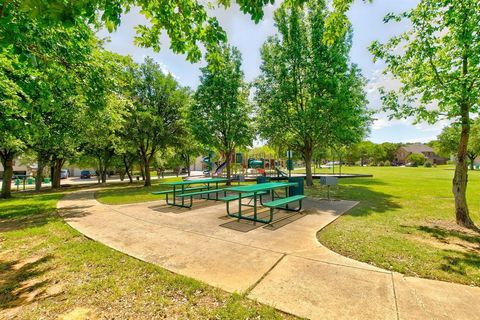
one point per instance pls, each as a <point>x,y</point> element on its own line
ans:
<point>447,141</point>
<point>45,77</point>
<point>156,118</point>
<point>13,110</point>
<point>103,126</point>
<point>416,159</point>
<point>220,115</point>
<point>186,22</point>
<point>437,64</point>
<point>309,95</point>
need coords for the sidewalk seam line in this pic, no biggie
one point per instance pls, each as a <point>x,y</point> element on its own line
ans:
<point>253,286</point>
<point>339,264</point>
<point>395,296</point>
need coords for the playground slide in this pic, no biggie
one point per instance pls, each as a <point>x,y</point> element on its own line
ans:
<point>220,168</point>
<point>281,173</point>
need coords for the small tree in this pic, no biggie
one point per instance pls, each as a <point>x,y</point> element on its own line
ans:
<point>220,114</point>
<point>416,159</point>
<point>447,142</point>
<point>436,62</point>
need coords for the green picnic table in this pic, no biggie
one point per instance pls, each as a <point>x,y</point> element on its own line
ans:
<point>180,189</point>
<point>256,191</point>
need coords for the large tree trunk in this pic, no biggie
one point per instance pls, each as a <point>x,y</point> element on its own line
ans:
<point>460,178</point>
<point>127,169</point>
<point>229,169</point>
<point>57,168</point>
<point>142,169</point>
<point>39,177</point>
<point>7,162</point>
<point>146,170</point>
<point>307,157</point>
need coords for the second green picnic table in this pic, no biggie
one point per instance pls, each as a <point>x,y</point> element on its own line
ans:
<point>180,189</point>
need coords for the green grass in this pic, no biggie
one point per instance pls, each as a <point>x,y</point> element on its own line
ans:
<point>405,222</point>
<point>132,193</point>
<point>49,270</point>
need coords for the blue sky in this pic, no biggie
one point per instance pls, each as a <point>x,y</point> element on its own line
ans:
<point>367,21</point>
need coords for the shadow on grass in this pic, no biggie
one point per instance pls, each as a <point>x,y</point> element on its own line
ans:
<point>456,262</point>
<point>443,234</point>
<point>370,201</point>
<point>21,282</point>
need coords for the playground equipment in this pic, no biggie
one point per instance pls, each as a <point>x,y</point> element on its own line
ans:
<point>220,168</point>
<point>281,173</point>
<point>208,163</point>
<point>244,165</point>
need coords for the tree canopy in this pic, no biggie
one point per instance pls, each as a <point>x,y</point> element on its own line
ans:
<point>220,115</point>
<point>308,94</point>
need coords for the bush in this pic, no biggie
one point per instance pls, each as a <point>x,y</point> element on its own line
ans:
<point>427,164</point>
<point>416,159</point>
<point>387,163</point>
<point>380,164</point>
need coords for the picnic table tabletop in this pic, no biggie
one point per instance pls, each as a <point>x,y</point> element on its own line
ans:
<point>261,186</point>
<point>187,182</point>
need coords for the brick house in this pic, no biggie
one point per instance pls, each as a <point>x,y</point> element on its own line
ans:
<point>403,152</point>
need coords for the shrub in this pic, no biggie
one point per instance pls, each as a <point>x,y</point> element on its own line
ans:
<point>427,164</point>
<point>380,164</point>
<point>416,159</point>
<point>387,163</point>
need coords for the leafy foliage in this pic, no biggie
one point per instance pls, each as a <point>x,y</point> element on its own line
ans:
<point>309,95</point>
<point>220,116</point>
<point>437,63</point>
<point>156,119</point>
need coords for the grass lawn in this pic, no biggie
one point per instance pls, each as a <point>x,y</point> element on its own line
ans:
<point>132,193</point>
<point>405,222</point>
<point>48,270</point>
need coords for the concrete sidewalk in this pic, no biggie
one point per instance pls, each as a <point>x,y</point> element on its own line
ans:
<point>282,264</point>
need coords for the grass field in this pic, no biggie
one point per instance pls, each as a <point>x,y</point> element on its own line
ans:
<point>132,193</point>
<point>405,222</point>
<point>50,271</point>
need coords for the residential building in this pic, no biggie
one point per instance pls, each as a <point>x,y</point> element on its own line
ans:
<point>403,152</point>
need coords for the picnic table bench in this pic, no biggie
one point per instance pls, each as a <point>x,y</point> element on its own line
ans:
<point>258,191</point>
<point>180,189</point>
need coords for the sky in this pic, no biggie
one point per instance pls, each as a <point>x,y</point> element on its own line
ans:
<point>248,37</point>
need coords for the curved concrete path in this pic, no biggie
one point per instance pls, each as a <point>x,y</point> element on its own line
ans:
<point>286,267</point>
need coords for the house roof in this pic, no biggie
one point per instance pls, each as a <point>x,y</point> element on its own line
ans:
<point>417,148</point>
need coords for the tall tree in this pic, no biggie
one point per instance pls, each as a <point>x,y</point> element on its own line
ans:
<point>438,65</point>
<point>220,114</point>
<point>45,77</point>
<point>103,126</point>
<point>309,95</point>
<point>157,116</point>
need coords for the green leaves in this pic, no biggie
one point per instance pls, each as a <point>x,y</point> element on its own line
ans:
<point>308,95</point>
<point>220,114</point>
<point>437,61</point>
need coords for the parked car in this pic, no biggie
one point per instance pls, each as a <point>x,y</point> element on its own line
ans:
<point>85,174</point>
<point>63,174</point>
